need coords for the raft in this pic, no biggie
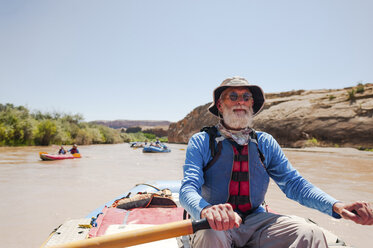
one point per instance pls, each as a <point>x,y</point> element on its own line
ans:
<point>109,226</point>
<point>47,157</point>
<point>155,149</point>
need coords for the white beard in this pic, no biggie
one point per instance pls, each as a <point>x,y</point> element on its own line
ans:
<point>238,120</point>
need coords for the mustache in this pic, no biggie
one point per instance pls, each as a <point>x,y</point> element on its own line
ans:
<point>240,108</point>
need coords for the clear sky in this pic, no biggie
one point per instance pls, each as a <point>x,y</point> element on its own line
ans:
<point>159,59</point>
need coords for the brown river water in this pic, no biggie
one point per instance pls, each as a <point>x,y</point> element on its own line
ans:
<point>37,196</point>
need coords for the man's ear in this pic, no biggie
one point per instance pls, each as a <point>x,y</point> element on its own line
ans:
<point>218,105</point>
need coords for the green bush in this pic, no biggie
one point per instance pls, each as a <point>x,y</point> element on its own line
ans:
<point>360,88</point>
<point>331,97</point>
<point>163,139</point>
<point>19,127</point>
<point>16,126</point>
<point>46,132</point>
<point>142,137</point>
<point>312,142</point>
<point>89,136</point>
<point>3,134</point>
<point>110,135</point>
<point>125,137</point>
<point>132,137</point>
<point>150,136</point>
<point>351,95</point>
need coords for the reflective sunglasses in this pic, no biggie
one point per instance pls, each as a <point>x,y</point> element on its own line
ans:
<point>233,96</point>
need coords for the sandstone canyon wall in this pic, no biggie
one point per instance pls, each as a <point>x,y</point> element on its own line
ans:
<point>339,117</point>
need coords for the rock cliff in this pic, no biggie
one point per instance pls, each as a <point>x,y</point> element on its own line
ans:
<point>339,117</point>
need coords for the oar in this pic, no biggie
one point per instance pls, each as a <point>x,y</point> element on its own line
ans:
<point>141,236</point>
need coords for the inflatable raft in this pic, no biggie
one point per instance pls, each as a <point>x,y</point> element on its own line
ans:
<point>155,149</point>
<point>46,156</point>
<point>153,216</point>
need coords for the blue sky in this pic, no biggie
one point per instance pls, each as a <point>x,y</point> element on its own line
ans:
<point>159,59</point>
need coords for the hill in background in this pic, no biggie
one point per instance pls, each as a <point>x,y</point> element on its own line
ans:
<point>144,124</point>
<point>330,117</point>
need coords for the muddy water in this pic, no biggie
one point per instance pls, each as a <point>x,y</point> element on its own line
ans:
<point>37,196</point>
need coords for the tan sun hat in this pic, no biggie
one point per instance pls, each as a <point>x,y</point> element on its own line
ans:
<point>255,90</point>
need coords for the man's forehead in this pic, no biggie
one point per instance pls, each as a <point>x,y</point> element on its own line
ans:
<point>237,89</point>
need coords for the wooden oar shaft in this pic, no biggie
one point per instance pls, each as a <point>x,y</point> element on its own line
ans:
<point>135,237</point>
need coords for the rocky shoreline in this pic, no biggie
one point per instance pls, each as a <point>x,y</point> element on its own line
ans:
<point>332,118</point>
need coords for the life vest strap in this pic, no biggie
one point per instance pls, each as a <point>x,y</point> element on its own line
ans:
<point>254,139</point>
<point>239,199</point>
<point>240,157</point>
<point>240,176</point>
<point>213,160</point>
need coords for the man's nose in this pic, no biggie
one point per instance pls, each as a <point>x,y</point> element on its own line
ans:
<point>240,100</point>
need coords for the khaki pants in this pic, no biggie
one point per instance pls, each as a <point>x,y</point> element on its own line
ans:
<point>264,230</point>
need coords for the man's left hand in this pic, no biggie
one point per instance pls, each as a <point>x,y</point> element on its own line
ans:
<point>359,212</point>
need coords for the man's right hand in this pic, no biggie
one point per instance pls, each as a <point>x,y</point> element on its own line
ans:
<point>221,217</point>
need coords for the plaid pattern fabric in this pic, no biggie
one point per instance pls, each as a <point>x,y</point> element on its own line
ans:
<point>241,137</point>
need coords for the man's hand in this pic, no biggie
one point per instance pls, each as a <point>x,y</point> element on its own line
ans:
<point>359,212</point>
<point>221,217</point>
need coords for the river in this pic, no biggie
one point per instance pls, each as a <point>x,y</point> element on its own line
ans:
<point>37,196</point>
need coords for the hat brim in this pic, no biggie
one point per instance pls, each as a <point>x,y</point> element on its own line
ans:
<point>255,90</point>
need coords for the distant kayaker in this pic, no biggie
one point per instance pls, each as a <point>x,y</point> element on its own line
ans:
<point>62,150</point>
<point>74,149</point>
<point>227,182</point>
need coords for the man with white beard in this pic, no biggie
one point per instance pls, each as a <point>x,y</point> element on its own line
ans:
<point>226,176</point>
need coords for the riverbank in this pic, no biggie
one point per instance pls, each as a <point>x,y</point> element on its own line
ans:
<point>341,151</point>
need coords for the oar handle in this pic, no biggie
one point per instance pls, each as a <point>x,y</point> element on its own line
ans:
<point>200,225</point>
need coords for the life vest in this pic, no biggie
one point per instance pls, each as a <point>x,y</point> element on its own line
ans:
<point>239,184</point>
<point>216,149</point>
<point>74,150</point>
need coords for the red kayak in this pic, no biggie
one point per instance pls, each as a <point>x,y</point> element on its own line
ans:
<point>46,156</point>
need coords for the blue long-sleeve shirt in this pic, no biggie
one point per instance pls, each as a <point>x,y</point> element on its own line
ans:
<point>278,167</point>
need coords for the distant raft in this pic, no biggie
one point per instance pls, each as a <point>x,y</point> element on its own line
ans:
<point>48,157</point>
<point>155,149</point>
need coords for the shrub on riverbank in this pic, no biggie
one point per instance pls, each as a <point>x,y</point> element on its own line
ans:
<point>20,127</point>
<point>142,137</point>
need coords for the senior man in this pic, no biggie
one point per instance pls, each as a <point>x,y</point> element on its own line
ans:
<point>226,175</point>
